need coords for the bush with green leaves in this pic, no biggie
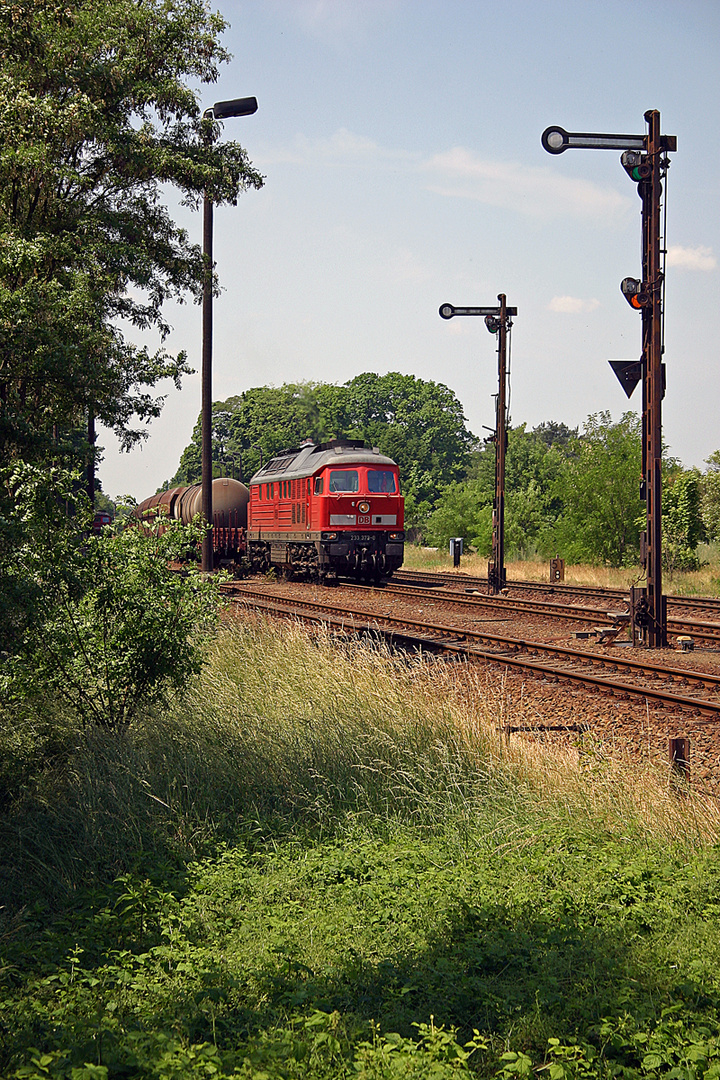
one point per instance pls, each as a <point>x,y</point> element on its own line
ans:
<point>682,523</point>
<point>102,623</point>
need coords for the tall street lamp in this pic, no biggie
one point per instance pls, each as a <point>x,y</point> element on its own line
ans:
<point>221,110</point>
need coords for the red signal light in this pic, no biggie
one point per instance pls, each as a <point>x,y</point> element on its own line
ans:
<point>635,292</point>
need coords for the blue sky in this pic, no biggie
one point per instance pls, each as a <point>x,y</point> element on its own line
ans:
<point>400,141</point>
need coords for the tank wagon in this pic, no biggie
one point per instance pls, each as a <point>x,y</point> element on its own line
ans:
<point>314,512</point>
<point>230,501</point>
<point>327,510</point>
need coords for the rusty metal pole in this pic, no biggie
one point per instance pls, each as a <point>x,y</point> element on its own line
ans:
<point>91,456</point>
<point>497,574</point>
<point>645,160</point>
<point>498,321</point>
<point>206,407</point>
<point>651,191</point>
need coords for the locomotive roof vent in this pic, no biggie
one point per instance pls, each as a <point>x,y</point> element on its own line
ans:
<point>347,444</point>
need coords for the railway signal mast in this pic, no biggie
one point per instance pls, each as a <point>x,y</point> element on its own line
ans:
<point>498,321</point>
<point>645,160</point>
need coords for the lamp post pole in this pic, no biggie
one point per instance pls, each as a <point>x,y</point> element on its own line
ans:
<point>219,111</point>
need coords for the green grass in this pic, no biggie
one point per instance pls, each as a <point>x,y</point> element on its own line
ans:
<point>325,862</point>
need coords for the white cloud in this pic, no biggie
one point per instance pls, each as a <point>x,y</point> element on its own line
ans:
<point>537,192</point>
<point>572,305</point>
<point>696,258</point>
<point>460,174</point>
<point>343,148</point>
<point>336,22</point>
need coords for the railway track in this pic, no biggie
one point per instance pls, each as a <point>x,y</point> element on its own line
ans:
<point>701,631</point>
<point>641,678</point>
<point>677,605</point>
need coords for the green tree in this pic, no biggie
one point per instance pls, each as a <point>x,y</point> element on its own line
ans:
<point>531,502</point>
<point>598,487</point>
<point>419,424</point>
<point>98,109</point>
<point>682,523</point>
<point>710,497</point>
<point>265,420</point>
<point>102,622</point>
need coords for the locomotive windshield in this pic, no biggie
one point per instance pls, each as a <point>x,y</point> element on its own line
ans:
<point>381,480</point>
<point>343,480</point>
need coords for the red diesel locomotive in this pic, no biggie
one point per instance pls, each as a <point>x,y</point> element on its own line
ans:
<point>312,512</point>
<point>321,511</point>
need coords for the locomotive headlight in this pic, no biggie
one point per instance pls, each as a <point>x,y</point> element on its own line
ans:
<point>396,536</point>
<point>364,507</point>
<point>329,536</point>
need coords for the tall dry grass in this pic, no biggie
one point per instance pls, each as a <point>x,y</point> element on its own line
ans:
<point>702,582</point>
<point>288,733</point>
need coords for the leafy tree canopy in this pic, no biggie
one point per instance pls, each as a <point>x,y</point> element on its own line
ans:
<point>97,110</point>
<point>531,504</point>
<point>599,485</point>
<point>710,497</point>
<point>418,423</point>
<point>682,523</point>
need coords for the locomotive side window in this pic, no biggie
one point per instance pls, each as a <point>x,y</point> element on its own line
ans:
<point>319,485</point>
<point>309,486</point>
<point>381,481</point>
<point>343,480</point>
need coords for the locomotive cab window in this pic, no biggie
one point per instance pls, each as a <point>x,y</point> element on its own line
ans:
<point>343,480</point>
<point>319,485</point>
<point>381,481</point>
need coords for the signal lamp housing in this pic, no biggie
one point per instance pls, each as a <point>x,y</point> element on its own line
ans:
<point>636,165</point>
<point>635,292</point>
<point>493,323</point>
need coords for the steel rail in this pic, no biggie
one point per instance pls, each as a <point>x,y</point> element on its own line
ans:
<point>705,631</point>
<point>710,603</point>
<point>466,642</point>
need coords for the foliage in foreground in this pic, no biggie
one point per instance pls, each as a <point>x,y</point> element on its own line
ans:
<point>325,865</point>
<point>101,623</point>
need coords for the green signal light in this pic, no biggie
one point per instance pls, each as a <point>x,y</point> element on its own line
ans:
<point>636,165</point>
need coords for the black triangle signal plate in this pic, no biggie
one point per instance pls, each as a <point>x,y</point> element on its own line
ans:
<point>629,373</point>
